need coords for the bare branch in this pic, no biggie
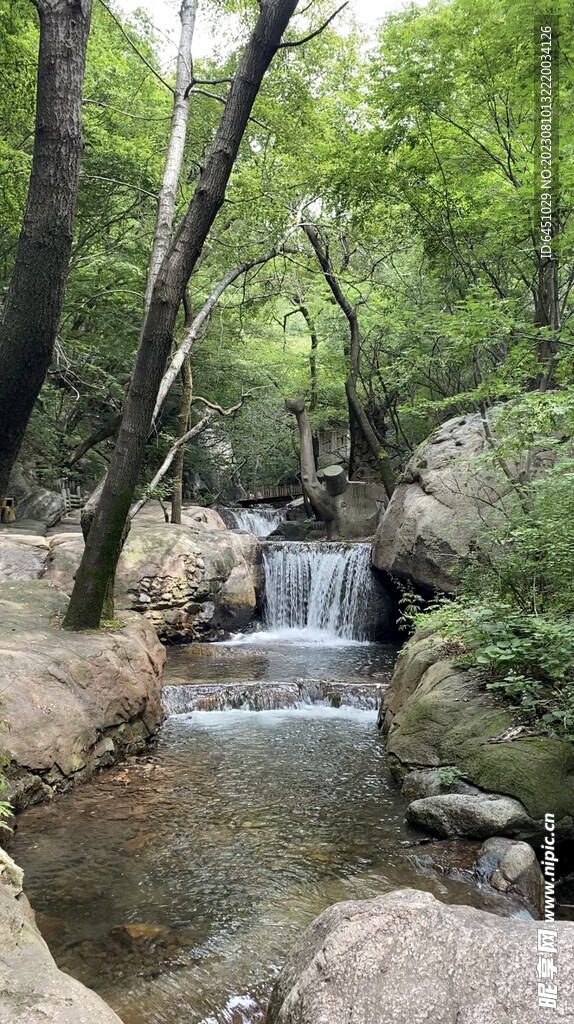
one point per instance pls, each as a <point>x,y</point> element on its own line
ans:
<point>134,47</point>
<point>317,32</point>
<point>114,181</point>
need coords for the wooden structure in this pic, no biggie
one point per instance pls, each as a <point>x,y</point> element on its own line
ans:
<point>285,492</point>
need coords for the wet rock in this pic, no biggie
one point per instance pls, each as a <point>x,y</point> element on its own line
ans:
<point>22,555</point>
<point>74,704</point>
<point>511,866</point>
<point>132,934</point>
<point>455,814</point>
<point>182,698</point>
<point>432,782</point>
<point>32,988</point>
<point>405,957</point>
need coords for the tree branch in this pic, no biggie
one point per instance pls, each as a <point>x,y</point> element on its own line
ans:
<point>317,32</point>
<point>134,47</point>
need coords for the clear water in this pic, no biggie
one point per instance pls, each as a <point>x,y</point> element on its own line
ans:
<point>225,843</point>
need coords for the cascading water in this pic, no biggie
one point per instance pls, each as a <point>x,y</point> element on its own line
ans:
<point>325,590</point>
<point>260,522</point>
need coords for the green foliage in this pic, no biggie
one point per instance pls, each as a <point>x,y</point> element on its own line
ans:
<point>449,774</point>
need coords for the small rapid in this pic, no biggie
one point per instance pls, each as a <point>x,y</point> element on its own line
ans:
<point>261,521</point>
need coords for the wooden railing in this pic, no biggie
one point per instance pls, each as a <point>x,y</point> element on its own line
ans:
<point>272,493</point>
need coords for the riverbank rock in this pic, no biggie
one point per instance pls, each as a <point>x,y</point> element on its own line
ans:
<point>405,957</point>
<point>32,500</point>
<point>32,989</point>
<point>511,867</point>
<point>189,581</point>
<point>74,701</point>
<point>455,747</point>
<point>22,555</point>
<point>445,498</point>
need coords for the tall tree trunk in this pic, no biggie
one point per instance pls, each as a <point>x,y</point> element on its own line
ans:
<point>101,549</point>
<point>547,314</point>
<point>174,158</point>
<point>357,415</point>
<point>181,429</point>
<point>36,295</point>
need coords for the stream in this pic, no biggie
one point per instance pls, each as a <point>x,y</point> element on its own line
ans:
<point>176,884</point>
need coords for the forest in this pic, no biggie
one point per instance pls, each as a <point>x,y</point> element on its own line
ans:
<point>328,261</point>
<point>376,252</point>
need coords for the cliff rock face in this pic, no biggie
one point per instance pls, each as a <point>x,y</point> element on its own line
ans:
<point>74,702</point>
<point>405,957</point>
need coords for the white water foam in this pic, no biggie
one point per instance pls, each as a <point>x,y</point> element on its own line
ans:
<point>261,521</point>
<point>316,592</point>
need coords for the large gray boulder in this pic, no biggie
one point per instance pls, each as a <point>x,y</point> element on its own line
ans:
<point>447,495</point>
<point>405,958</point>
<point>75,702</point>
<point>32,989</point>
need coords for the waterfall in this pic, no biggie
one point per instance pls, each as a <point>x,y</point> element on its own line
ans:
<point>261,521</point>
<point>326,590</point>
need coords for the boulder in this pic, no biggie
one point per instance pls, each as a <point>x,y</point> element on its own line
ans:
<point>189,582</point>
<point>32,500</point>
<point>406,958</point>
<point>458,814</point>
<point>444,500</point>
<point>512,867</point>
<point>32,988</point>
<point>74,702</point>
<point>22,555</point>
<point>437,715</point>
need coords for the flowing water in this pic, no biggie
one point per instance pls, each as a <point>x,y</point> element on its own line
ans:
<point>326,590</point>
<point>221,847</point>
<point>260,521</point>
<point>176,884</point>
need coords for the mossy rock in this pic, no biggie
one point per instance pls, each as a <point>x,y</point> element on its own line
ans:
<point>446,718</point>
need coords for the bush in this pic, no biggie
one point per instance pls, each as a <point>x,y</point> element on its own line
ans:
<point>514,621</point>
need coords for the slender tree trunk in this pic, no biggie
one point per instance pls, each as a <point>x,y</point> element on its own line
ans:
<point>101,551</point>
<point>182,426</point>
<point>314,399</point>
<point>34,302</point>
<point>174,159</point>
<point>357,414</point>
<point>547,314</point>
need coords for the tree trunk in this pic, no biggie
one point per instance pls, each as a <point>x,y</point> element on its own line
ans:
<point>100,554</point>
<point>312,487</point>
<point>357,415</point>
<point>174,158</point>
<point>36,294</point>
<point>547,314</point>
<point>181,429</point>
